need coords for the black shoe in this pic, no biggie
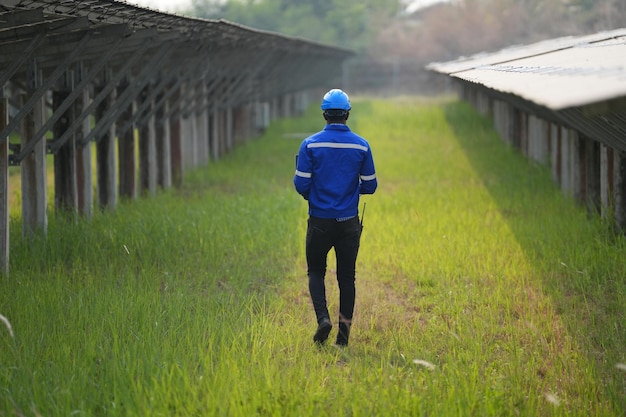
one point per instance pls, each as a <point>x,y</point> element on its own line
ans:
<point>322,332</point>
<point>343,334</point>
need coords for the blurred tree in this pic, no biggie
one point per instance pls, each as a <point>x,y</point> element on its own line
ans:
<point>205,8</point>
<point>346,23</point>
<point>395,44</point>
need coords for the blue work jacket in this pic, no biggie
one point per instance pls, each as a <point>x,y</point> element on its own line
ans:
<point>333,168</point>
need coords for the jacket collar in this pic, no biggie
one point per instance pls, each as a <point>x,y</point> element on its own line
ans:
<point>337,126</point>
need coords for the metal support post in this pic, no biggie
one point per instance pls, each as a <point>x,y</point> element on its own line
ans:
<point>126,149</point>
<point>4,187</point>
<point>33,166</point>
<point>84,176</point>
<point>105,150</point>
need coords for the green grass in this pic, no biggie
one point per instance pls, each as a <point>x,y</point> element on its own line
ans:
<point>195,302</point>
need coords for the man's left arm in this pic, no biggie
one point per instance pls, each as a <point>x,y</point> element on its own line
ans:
<point>369,183</point>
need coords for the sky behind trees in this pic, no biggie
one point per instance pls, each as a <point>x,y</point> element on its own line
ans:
<point>181,5</point>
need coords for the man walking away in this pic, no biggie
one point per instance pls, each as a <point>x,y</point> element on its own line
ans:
<point>334,167</point>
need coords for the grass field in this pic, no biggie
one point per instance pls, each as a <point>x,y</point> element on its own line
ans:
<point>481,290</point>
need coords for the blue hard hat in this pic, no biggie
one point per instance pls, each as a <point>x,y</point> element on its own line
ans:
<point>336,99</point>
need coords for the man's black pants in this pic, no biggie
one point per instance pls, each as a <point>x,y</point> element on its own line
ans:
<point>344,236</point>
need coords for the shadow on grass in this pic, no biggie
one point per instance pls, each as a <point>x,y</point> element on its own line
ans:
<point>580,259</point>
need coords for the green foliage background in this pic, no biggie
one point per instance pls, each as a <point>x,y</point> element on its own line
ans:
<point>394,41</point>
<point>346,23</point>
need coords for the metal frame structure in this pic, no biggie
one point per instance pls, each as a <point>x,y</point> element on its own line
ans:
<point>562,103</point>
<point>77,72</point>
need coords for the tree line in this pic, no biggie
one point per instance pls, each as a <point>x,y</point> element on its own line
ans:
<point>392,43</point>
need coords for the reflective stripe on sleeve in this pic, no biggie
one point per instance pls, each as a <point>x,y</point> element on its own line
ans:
<point>368,177</point>
<point>303,174</point>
